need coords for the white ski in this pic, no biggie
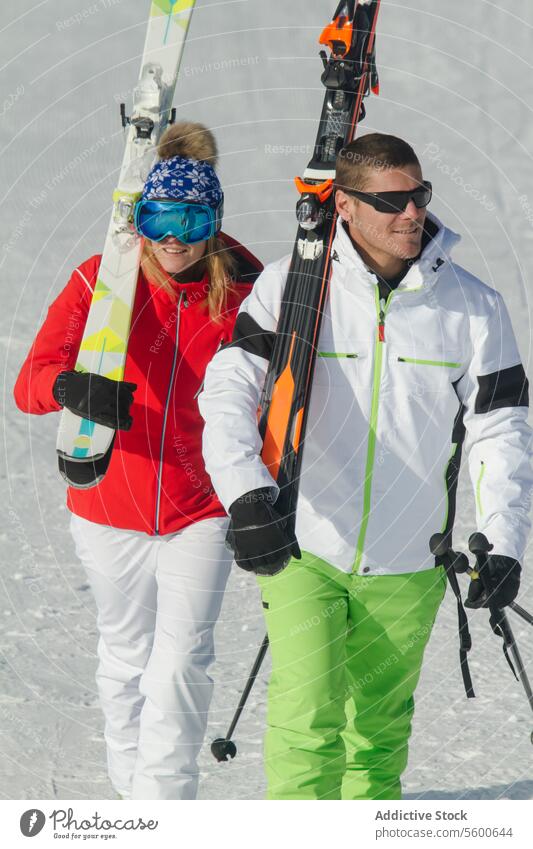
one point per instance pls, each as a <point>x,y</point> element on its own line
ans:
<point>83,447</point>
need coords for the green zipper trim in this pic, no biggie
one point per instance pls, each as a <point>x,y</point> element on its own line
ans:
<point>428,362</point>
<point>372,435</point>
<point>478,488</point>
<point>450,458</point>
<point>335,355</point>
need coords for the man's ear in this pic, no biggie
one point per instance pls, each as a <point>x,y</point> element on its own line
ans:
<point>343,205</point>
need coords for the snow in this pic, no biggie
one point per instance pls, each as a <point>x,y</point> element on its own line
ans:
<point>456,82</point>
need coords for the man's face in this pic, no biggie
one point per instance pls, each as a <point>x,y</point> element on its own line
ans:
<point>396,234</point>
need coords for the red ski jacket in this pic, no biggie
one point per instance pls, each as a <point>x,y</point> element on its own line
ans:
<point>156,481</point>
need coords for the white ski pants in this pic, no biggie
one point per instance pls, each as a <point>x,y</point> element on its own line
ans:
<point>158,599</point>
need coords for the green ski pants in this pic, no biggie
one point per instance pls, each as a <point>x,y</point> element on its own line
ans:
<point>346,657</point>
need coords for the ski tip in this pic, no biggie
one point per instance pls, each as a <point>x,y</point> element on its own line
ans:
<point>375,88</point>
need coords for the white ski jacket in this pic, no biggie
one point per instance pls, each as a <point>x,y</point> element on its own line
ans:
<point>381,452</point>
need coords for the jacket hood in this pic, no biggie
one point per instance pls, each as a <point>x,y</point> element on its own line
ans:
<point>423,273</point>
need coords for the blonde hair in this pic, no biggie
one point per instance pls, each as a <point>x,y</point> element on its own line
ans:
<point>220,267</point>
<point>194,141</point>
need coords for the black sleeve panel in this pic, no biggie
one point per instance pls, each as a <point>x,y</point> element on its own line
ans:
<point>249,336</point>
<point>459,430</point>
<point>454,466</point>
<point>505,388</point>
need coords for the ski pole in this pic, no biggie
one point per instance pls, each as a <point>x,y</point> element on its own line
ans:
<point>480,546</point>
<point>527,617</point>
<point>459,562</point>
<point>455,562</point>
<point>224,747</point>
<point>518,609</point>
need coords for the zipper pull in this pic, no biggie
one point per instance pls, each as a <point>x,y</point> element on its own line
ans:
<point>185,301</point>
<point>381,325</point>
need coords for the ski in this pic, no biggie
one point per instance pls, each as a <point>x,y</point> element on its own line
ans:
<point>83,447</point>
<point>349,75</point>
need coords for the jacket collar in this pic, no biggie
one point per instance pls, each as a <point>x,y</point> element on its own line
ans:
<point>194,291</point>
<point>422,274</point>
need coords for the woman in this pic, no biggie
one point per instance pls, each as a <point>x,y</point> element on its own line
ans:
<point>151,534</point>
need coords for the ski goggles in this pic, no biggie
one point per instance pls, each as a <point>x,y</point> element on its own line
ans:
<point>188,222</point>
<point>394,202</point>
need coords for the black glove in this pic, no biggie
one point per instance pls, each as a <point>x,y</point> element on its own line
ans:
<point>502,576</point>
<point>258,536</point>
<point>96,398</point>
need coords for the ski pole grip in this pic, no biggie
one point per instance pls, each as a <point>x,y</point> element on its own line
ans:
<point>439,547</point>
<point>479,544</point>
<point>460,562</point>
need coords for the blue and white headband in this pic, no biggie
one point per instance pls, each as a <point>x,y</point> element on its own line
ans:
<point>183,180</point>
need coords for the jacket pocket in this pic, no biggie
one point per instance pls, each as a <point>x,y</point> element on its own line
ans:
<point>196,394</point>
<point>426,372</point>
<point>423,362</point>
<point>479,481</point>
<point>338,363</point>
<point>333,355</point>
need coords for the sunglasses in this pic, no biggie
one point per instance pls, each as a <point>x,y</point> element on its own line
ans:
<point>394,202</point>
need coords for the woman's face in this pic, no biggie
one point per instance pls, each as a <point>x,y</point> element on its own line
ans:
<point>174,256</point>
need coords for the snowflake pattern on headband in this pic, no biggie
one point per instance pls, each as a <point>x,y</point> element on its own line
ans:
<point>183,180</point>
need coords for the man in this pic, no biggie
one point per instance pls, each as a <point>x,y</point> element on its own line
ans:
<point>414,352</point>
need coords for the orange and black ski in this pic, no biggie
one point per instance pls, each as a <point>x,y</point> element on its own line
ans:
<point>349,75</point>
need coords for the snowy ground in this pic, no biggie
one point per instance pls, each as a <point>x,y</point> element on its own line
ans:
<point>456,81</point>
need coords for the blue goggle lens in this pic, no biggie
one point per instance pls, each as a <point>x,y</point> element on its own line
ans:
<point>188,222</point>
